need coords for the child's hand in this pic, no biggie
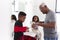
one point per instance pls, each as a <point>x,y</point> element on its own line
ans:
<point>33,25</point>
<point>27,30</point>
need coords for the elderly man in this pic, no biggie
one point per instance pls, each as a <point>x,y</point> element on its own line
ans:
<point>49,23</point>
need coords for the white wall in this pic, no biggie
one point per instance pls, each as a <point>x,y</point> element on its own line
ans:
<point>5,9</point>
<point>58,24</point>
<point>58,6</point>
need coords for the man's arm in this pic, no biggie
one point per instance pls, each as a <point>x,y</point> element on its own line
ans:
<point>41,22</point>
<point>47,25</point>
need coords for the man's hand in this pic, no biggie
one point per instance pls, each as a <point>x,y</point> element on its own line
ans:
<point>40,24</point>
<point>47,25</point>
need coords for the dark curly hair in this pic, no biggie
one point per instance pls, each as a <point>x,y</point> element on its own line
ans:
<point>13,17</point>
<point>34,17</point>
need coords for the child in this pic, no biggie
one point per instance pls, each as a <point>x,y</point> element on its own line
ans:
<point>35,20</point>
<point>13,20</point>
<point>18,28</point>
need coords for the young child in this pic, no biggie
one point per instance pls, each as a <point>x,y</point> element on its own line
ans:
<point>13,20</point>
<point>18,28</point>
<point>35,20</point>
